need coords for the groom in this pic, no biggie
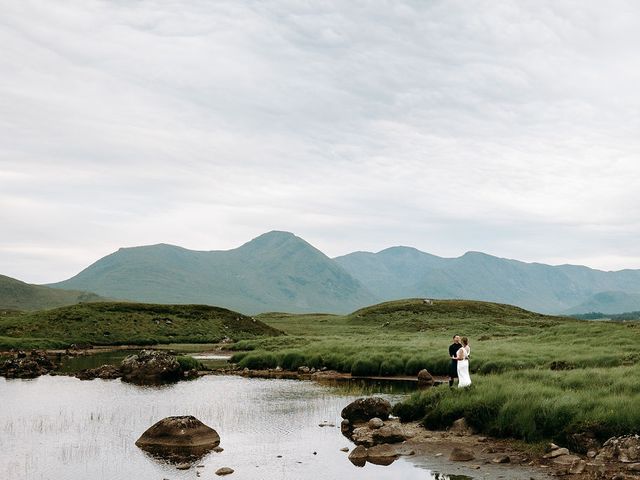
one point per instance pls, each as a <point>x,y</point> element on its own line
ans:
<point>453,351</point>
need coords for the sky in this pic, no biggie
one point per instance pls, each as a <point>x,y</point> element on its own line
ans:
<point>508,127</point>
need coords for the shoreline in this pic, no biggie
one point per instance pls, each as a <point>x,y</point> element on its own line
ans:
<point>432,448</point>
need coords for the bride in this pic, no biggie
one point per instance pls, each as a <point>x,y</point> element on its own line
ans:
<point>464,380</point>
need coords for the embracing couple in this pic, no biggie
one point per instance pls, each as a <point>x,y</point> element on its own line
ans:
<point>459,352</point>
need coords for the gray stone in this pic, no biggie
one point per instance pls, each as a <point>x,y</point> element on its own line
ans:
<point>577,467</point>
<point>424,377</point>
<point>375,423</point>
<point>566,460</point>
<point>502,459</point>
<point>460,428</point>
<point>389,433</point>
<point>224,471</point>
<point>150,367</point>
<point>364,409</point>
<point>461,455</point>
<point>558,452</point>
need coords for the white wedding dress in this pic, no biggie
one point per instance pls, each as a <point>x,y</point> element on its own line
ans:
<point>464,380</point>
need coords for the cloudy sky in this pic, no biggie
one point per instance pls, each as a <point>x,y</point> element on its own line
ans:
<point>509,127</point>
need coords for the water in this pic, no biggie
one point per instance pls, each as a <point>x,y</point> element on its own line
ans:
<point>61,428</point>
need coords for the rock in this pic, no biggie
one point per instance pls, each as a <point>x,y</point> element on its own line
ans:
<point>345,425</point>
<point>375,423</point>
<point>577,467</point>
<point>461,455</point>
<point>358,456</point>
<point>278,369</point>
<point>106,372</point>
<point>557,453</point>
<point>566,460</point>
<point>183,466</point>
<point>389,433</point>
<point>583,442</point>
<point>633,467</point>
<point>218,449</point>
<point>326,424</point>
<point>224,471</point>
<point>304,370</point>
<point>624,449</point>
<point>502,459</point>
<point>425,378</point>
<point>179,439</point>
<point>344,449</point>
<point>592,454</point>
<point>362,436</point>
<point>364,409</point>
<point>460,428</point>
<point>27,366</point>
<point>150,367</point>
<point>382,455</point>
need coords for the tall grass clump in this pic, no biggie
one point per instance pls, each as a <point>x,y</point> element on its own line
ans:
<point>187,362</point>
<point>533,405</point>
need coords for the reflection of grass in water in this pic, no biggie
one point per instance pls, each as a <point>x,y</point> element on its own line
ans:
<point>369,387</point>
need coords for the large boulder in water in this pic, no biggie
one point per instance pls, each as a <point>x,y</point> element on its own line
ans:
<point>179,439</point>
<point>27,366</point>
<point>364,409</point>
<point>150,367</point>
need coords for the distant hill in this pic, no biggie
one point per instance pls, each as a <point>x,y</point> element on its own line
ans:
<point>276,271</point>
<point>402,272</point>
<point>17,295</point>
<point>608,303</point>
<point>117,323</point>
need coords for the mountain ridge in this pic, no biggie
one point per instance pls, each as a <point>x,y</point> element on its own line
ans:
<point>279,271</point>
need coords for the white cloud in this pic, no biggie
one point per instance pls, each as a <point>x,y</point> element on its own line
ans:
<point>503,126</point>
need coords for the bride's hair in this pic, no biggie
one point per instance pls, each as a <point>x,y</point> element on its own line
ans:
<point>465,340</point>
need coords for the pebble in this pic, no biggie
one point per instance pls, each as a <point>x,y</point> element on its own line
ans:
<point>224,471</point>
<point>218,449</point>
<point>183,466</point>
<point>344,449</point>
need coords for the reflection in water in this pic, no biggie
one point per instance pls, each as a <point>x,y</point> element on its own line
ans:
<point>64,428</point>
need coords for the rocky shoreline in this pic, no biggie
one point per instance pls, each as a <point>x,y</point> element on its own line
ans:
<point>378,437</point>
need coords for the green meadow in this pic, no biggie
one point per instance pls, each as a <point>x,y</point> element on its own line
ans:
<point>535,377</point>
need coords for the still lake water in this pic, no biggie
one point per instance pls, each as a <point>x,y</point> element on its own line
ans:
<point>61,428</point>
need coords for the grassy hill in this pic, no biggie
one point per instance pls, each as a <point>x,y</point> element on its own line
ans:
<point>127,323</point>
<point>17,295</point>
<point>276,271</point>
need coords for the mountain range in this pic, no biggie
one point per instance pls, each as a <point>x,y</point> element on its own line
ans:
<point>279,271</point>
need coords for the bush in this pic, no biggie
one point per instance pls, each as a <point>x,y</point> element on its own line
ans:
<point>259,361</point>
<point>188,363</point>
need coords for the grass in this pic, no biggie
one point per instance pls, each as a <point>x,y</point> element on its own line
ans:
<point>401,338</point>
<point>126,323</point>
<point>533,405</point>
<point>536,377</point>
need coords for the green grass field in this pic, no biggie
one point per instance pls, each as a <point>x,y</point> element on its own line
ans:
<point>126,323</point>
<point>535,377</point>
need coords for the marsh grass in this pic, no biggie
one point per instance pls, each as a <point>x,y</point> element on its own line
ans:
<point>533,405</point>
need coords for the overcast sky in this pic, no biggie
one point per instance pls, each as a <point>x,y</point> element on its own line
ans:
<point>509,127</point>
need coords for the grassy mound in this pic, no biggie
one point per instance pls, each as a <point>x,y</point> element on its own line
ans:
<point>127,323</point>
